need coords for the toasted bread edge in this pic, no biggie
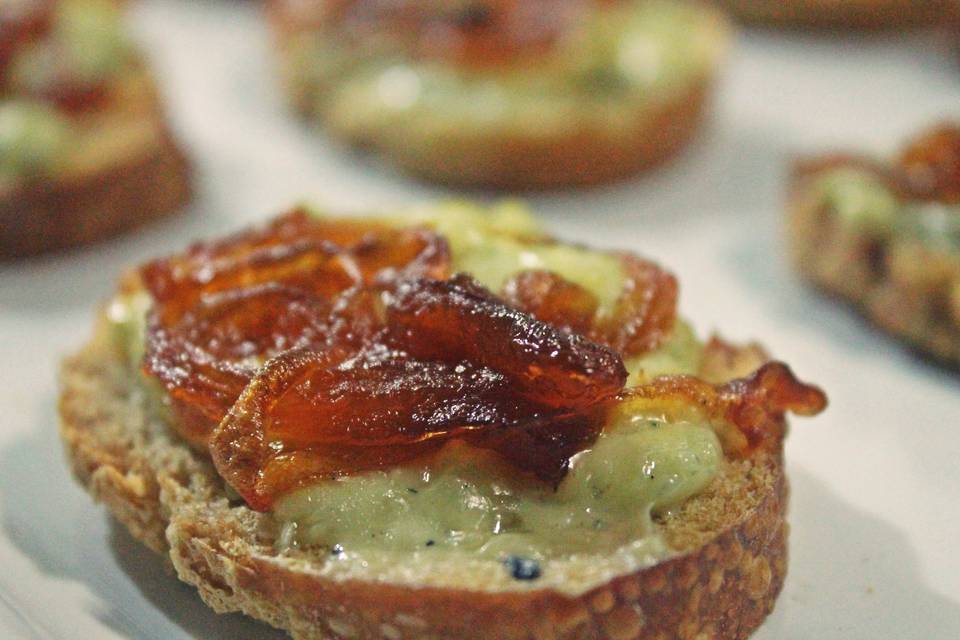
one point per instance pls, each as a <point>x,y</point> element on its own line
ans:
<point>172,500</point>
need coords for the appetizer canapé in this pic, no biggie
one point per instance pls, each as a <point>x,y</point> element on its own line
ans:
<point>84,149</point>
<point>544,93</point>
<point>444,424</point>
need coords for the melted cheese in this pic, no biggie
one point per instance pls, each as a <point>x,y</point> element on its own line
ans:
<point>32,137</point>
<point>467,502</point>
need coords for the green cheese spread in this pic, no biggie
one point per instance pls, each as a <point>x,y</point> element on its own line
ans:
<point>465,501</point>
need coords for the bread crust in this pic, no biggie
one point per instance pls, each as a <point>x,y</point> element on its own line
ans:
<point>857,14</point>
<point>578,158</point>
<point>907,290</point>
<point>580,155</point>
<point>721,586</point>
<point>140,175</point>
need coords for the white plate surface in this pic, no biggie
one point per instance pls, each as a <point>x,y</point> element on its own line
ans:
<point>876,480</point>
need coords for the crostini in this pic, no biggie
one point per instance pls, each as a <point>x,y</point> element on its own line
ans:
<point>509,94</point>
<point>443,424</point>
<point>886,237</point>
<point>85,151</point>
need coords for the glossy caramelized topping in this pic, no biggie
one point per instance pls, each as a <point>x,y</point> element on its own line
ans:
<point>932,164</point>
<point>471,32</point>
<point>314,348</point>
<point>222,308</point>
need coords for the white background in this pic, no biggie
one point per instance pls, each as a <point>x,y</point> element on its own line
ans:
<point>876,479</point>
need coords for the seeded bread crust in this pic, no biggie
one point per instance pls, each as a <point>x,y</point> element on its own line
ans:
<point>858,14</point>
<point>129,171</point>
<point>577,156</point>
<point>904,288</point>
<point>722,585</point>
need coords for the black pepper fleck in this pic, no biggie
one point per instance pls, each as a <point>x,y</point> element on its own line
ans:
<point>412,490</point>
<point>430,543</point>
<point>336,550</point>
<point>521,568</point>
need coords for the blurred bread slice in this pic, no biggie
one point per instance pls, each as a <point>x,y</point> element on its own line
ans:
<point>862,14</point>
<point>122,169</point>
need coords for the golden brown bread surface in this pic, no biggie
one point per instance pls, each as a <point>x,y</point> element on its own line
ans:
<point>585,151</point>
<point>722,585</point>
<point>863,14</point>
<point>125,170</point>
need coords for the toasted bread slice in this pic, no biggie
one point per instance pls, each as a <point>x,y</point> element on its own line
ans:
<point>729,568</point>
<point>861,14</point>
<point>490,136</point>
<point>124,170</point>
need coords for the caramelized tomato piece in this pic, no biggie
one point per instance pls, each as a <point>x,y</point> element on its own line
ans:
<point>551,298</point>
<point>460,321</point>
<point>451,361</point>
<point>932,164</point>
<point>469,32</point>
<point>206,359</point>
<point>752,408</point>
<point>642,318</point>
